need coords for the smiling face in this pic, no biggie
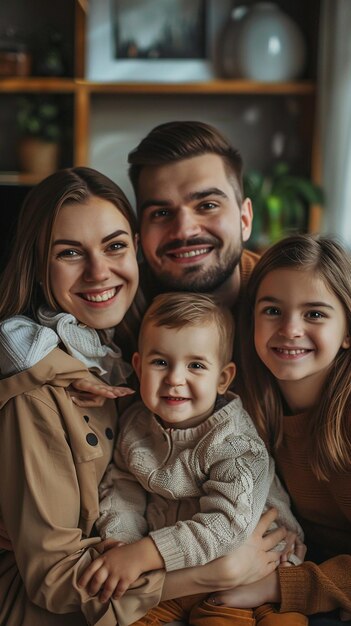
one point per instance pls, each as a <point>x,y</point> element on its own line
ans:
<point>181,372</point>
<point>92,263</point>
<point>300,326</point>
<point>192,227</point>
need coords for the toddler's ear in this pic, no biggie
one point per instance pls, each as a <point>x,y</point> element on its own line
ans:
<point>136,362</point>
<point>226,377</point>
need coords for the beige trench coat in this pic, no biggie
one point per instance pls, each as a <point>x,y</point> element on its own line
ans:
<point>53,456</point>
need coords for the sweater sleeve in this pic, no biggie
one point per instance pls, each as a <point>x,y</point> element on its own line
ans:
<point>122,504</point>
<point>310,588</point>
<point>234,495</point>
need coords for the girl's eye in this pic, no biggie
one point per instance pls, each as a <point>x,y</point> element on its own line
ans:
<point>159,362</point>
<point>315,315</point>
<point>196,366</point>
<point>271,310</point>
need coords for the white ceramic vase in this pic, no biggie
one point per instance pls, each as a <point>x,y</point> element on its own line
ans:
<point>262,43</point>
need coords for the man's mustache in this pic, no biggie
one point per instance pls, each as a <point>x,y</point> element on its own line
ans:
<point>184,243</point>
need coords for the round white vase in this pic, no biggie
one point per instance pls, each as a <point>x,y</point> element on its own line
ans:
<point>262,43</point>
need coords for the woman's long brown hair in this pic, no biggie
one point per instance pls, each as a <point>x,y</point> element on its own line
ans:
<point>20,290</point>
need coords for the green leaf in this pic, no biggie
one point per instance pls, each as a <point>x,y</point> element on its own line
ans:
<point>274,205</point>
<point>39,116</point>
<point>280,169</point>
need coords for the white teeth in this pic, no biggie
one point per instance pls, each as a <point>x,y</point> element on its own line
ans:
<point>291,352</point>
<point>186,255</point>
<point>101,297</point>
<point>175,398</point>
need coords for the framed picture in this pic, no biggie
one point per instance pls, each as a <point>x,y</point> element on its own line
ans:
<point>142,31</point>
<point>151,40</point>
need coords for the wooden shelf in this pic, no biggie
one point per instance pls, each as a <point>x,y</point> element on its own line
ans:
<point>216,86</point>
<point>19,178</point>
<point>37,85</point>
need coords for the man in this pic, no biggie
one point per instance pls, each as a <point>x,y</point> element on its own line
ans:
<point>193,218</point>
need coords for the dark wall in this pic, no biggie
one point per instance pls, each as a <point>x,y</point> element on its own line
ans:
<point>11,199</point>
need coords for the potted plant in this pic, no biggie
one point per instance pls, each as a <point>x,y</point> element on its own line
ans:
<point>38,119</point>
<point>280,201</point>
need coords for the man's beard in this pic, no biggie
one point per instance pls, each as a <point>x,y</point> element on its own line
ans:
<point>198,280</point>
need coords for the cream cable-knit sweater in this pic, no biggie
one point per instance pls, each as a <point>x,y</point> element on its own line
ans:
<point>199,492</point>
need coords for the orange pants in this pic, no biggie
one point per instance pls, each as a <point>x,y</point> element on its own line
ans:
<point>195,610</point>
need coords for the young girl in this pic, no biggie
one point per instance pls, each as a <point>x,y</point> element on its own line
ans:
<point>297,368</point>
<point>73,269</point>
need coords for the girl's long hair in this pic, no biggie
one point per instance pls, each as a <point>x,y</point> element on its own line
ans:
<point>28,264</point>
<point>330,419</point>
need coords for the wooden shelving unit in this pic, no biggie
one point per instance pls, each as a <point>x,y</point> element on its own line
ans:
<point>83,92</point>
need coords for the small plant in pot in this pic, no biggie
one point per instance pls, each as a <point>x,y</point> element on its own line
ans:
<point>38,119</point>
<point>280,201</point>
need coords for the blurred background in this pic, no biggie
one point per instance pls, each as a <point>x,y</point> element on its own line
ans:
<point>82,81</point>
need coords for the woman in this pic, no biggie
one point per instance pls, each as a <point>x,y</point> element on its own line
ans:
<point>73,269</point>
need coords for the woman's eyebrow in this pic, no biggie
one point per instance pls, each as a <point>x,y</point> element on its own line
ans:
<point>66,242</point>
<point>72,242</point>
<point>116,233</point>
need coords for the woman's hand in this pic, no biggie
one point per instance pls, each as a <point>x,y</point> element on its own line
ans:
<point>247,596</point>
<point>254,560</point>
<point>91,392</point>
<point>265,589</point>
<point>294,552</point>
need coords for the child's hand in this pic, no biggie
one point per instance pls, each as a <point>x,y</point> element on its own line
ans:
<point>107,544</point>
<point>91,392</point>
<point>113,572</point>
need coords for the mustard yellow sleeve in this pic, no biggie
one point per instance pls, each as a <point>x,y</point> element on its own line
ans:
<point>309,588</point>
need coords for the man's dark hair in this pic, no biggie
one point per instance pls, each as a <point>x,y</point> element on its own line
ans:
<point>175,141</point>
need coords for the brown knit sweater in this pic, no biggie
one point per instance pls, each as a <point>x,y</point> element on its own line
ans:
<point>247,263</point>
<point>324,511</point>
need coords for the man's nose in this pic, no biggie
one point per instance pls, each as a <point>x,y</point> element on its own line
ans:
<point>187,224</point>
